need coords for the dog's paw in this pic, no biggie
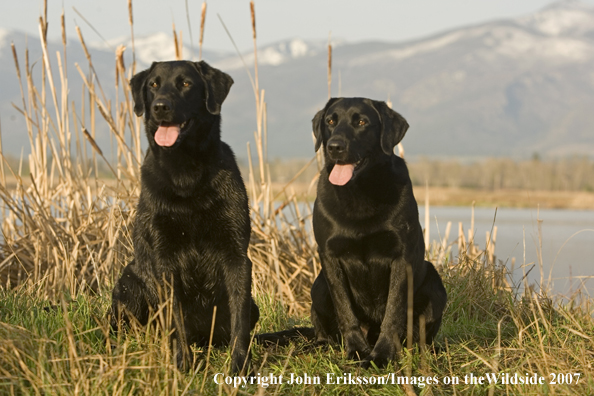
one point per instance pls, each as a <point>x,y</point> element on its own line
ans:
<point>357,355</point>
<point>380,356</point>
<point>358,352</point>
<point>240,363</point>
<point>365,363</point>
<point>371,360</point>
<point>357,347</point>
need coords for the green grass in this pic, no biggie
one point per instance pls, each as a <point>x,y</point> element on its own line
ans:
<point>64,347</point>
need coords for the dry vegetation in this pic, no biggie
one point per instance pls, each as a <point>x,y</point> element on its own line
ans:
<point>66,237</point>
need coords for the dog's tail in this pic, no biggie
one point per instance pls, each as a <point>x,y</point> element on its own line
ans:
<point>283,338</point>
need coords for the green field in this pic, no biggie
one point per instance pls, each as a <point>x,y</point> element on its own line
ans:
<point>63,346</point>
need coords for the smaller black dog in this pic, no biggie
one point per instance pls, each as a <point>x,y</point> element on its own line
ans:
<point>192,226</point>
<point>366,224</point>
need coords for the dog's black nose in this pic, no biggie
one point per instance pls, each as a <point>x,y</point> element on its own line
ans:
<point>161,108</point>
<point>336,147</point>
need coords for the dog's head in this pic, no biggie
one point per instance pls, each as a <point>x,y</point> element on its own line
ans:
<point>175,96</point>
<point>356,132</point>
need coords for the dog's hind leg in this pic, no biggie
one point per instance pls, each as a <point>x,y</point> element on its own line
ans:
<point>430,300</point>
<point>254,315</point>
<point>130,300</point>
<point>323,313</point>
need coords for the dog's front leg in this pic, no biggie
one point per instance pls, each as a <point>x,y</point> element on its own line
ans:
<point>238,281</point>
<point>179,338</point>
<point>355,342</point>
<point>394,322</point>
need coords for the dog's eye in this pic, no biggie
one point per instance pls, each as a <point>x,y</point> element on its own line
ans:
<point>362,122</point>
<point>153,84</point>
<point>331,122</point>
<point>186,84</point>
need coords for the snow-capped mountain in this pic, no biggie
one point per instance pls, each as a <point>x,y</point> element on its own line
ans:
<point>155,48</point>
<point>506,87</point>
<point>562,18</point>
<point>276,54</point>
<point>159,47</point>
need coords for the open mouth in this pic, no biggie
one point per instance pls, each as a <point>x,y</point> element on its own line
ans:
<point>341,174</point>
<point>168,134</point>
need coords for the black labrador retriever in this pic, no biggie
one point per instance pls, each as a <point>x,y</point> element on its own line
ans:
<point>366,224</point>
<point>192,226</point>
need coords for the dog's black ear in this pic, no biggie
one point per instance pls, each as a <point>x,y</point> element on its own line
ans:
<point>217,84</point>
<point>318,123</point>
<point>137,84</point>
<point>394,126</point>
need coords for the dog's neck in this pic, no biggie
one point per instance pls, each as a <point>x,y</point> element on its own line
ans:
<point>182,170</point>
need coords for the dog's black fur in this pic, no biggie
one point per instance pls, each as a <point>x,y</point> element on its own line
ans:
<point>192,226</point>
<point>368,233</point>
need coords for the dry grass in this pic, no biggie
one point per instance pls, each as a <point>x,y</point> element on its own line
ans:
<point>512,198</point>
<point>66,238</point>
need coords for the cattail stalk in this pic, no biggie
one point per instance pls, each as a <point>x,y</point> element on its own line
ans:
<point>202,22</point>
<point>131,22</point>
<point>329,67</point>
<point>176,43</point>
<point>257,89</point>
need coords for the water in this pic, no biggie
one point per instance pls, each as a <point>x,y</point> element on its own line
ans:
<point>567,238</point>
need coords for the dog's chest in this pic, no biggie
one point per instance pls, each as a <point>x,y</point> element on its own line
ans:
<point>186,248</point>
<point>366,263</point>
<point>192,241</point>
<point>375,246</point>
<point>179,231</point>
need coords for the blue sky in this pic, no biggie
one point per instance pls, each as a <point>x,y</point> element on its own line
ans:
<point>389,20</point>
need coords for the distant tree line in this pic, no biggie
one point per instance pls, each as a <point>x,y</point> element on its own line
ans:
<point>569,174</point>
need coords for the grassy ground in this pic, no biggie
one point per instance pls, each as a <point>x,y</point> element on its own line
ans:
<point>64,347</point>
<point>66,237</point>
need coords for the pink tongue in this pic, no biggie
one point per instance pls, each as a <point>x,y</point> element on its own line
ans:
<point>341,174</point>
<point>167,135</point>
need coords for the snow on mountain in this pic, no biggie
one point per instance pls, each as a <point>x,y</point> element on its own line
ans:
<point>557,32</point>
<point>566,17</point>
<point>160,47</point>
<point>155,48</point>
<point>275,54</point>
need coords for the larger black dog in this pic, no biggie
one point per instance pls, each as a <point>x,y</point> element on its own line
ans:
<point>366,224</point>
<point>192,227</point>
